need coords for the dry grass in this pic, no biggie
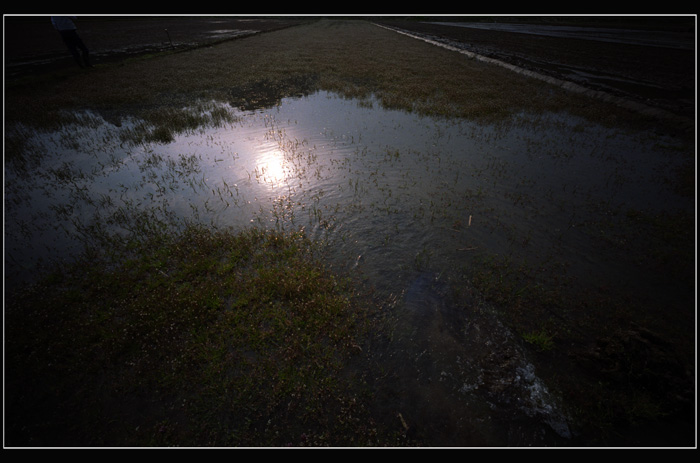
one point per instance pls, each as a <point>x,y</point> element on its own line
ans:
<point>355,58</point>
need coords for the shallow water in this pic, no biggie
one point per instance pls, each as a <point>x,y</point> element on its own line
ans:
<point>407,202</point>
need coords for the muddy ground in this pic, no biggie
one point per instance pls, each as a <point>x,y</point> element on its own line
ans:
<point>33,46</point>
<point>658,76</point>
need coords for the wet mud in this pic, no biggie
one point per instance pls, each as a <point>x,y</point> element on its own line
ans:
<point>657,74</point>
<point>464,377</point>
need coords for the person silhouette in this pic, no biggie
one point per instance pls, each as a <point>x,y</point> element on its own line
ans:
<point>66,27</point>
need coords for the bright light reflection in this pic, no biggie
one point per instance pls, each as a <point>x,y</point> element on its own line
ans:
<point>270,168</point>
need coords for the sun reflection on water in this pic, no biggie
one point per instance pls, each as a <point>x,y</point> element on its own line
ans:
<point>270,168</point>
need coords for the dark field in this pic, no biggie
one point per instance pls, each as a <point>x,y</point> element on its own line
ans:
<point>34,46</point>
<point>659,76</point>
<point>379,314</point>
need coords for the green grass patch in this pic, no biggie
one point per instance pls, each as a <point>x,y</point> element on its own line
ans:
<point>541,339</point>
<point>203,338</point>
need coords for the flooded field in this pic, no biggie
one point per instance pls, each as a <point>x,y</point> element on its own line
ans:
<point>383,188</point>
<point>416,208</point>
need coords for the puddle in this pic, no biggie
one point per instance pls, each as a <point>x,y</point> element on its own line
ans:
<point>405,200</point>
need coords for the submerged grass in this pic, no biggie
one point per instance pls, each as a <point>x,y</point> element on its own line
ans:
<point>204,338</point>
